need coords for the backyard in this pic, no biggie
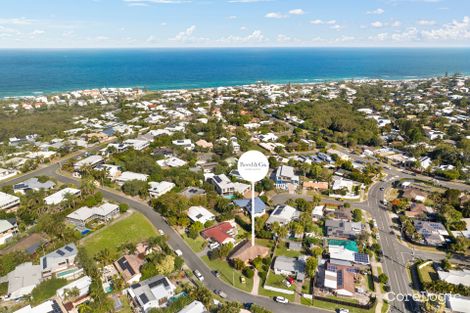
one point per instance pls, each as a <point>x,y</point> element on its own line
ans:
<point>135,228</point>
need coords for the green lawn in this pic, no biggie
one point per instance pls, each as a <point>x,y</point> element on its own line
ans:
<point>264,242</point>
<point>277,281</point>
<point>428,274</point>
<point>197,245</point>
<point>282,249</point>
<point>135,228</point>
<point>47,289</point>
<point>228,274</point>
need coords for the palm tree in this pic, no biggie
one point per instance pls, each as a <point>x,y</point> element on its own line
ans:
<point>85,308</point>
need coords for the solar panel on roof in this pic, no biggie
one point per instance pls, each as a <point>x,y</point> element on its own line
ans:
<point>44,263</point>
<point>60,252</point>
<point>340,278</point>
<point>217,179</point>
<point>159,282</point>
<point>125,265</point>
<point>361,258</point>
<point>144,298</point>
<point>68,248</point>
<point>331,268</point>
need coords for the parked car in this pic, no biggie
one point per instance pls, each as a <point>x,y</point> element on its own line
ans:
<point>281,300</point>
<point>216,273</point>
<point>198,275</point>
<point>179,252</point>
<point>343,311</point>
<point>214,245</point>
<point>290,280</point>
<point>221,294</point>
<point>287,283</point>
<point>161,232</point>
<point>247,305</point>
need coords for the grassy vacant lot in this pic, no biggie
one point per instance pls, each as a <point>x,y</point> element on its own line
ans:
<point>228,274</point>
<point>197,245</point>
<point>47,289</point>
<point>282,249</point>
<point>272,294</point>
<point>428,274</point>
<point>134,228</point>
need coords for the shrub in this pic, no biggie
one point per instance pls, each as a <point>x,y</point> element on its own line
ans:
<point>248,272</point>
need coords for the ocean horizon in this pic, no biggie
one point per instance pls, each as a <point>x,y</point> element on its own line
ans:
<point>26,72</point>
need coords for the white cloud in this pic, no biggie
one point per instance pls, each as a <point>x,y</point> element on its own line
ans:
<point>297,12</point>
<point>248,1</point>
<point>379,37</point>
<point>336,27</point>
<point>395,24</point>
<point>377,24</point>
<point>410,34</point>
<point>232,17</point>
<point>321,22</point>
<point>255,37</point>
<point>456,30</point>
<point>426,22</point>
<point>148,2</point>
<point>316,22</point>
<point>184,35</point>
<point>16,21</point>
<point>276,15</point>
<point>376,11</point>
<point>283,38</point>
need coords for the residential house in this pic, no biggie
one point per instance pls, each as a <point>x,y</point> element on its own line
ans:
<point>171,161</point>
<point>158,189</point>
<point>33,184</point>
<point>8,202</point>
<point>58,260</point>
<point>339,279</point>
<point>288,266</point>
<point>223,185</point>
<point>190,192</point>
<point>23,279</point>
<point>433,232</point>
<point>194,307</point>
<point>130,176</point>
<point>283,214</point>
<point>128,267</point>
<point>245,252</point>
<point>343,228</point>
<point>414,194</point>
<point>285,176</point>
<point>457,304</point>
<point>346,252</point>
<point>5,173</point>
<point>151,293</point>
<point>7,231</point>
<point>82,285</point>
<point>184,143</point>
<point>455,277</point>
<point>137,144</point>
<point>222,233</point>
<point>91,161</point>
<point>83,215</point>
<point>260,206</point>
<point>204,144</point>
<point>317,212</point>
<point>200,214</point>
<point>61,195</point>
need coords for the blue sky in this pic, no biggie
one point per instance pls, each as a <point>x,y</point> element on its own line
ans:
<point>233,23</point>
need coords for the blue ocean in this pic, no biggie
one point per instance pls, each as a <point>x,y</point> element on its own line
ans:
<point>29,72</point>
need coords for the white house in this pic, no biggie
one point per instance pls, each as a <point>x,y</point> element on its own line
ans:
<point>186,144</point>
<point>283,214</point>
<point>200,214</point>
<point>129,176</point>
<point>60,196</point>
<point>171,162</point>
<point>82,285</point>
<point>8,201</point>
<point>49,306</point>
<point>58,260</point>
<point>92,161</point>
<point>83,215</point>
<point>158,189</point>
<point>284,176</point>
<point>137,144</point>
<point>7,231</point>
<point>23,279</point>
<point>223,185</point>
<point>151,293</point>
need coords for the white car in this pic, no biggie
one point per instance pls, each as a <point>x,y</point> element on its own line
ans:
<point>198,275</point>
<point>343,311</point>
<point>178,252</point>
<point>281,300</point>
<point>161,232</point>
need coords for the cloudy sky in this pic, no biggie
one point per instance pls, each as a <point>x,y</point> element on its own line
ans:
<point>233,23</point>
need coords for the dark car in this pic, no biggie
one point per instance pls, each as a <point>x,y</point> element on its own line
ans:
<point>216,273</point>
<point>247,305</point>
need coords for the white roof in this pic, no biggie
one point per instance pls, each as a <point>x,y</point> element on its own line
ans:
<point>59,196</point>
<point>128,176</point>
<point>92,159</point>
<point>6,199</point>
<point>194,307</point>
<point>458,304</point>
<point>5,225</point>
<point>82,284</point>
<point>85,213</point>
<point>200,214</point>
<point>331,280</point>
<point>318,210</point>
<point>160,187</point>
